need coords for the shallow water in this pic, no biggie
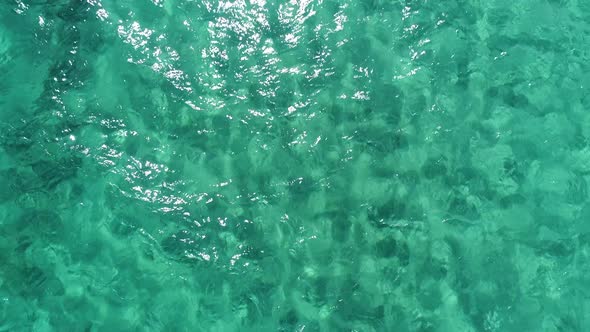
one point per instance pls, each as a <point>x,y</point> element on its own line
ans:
<point>294,165</point>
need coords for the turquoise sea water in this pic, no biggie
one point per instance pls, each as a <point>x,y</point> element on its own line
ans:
<point>303,165</point>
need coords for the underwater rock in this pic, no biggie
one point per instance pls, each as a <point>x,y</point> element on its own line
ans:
<point>53,172</point>
<point>45,223</point>
<point>577,190</point>
<point>434,167</point>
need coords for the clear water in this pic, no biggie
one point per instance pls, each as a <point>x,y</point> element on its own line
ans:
<point>294,165</point>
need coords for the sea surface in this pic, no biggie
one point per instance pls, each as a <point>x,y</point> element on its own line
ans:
<point>302,165</point>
